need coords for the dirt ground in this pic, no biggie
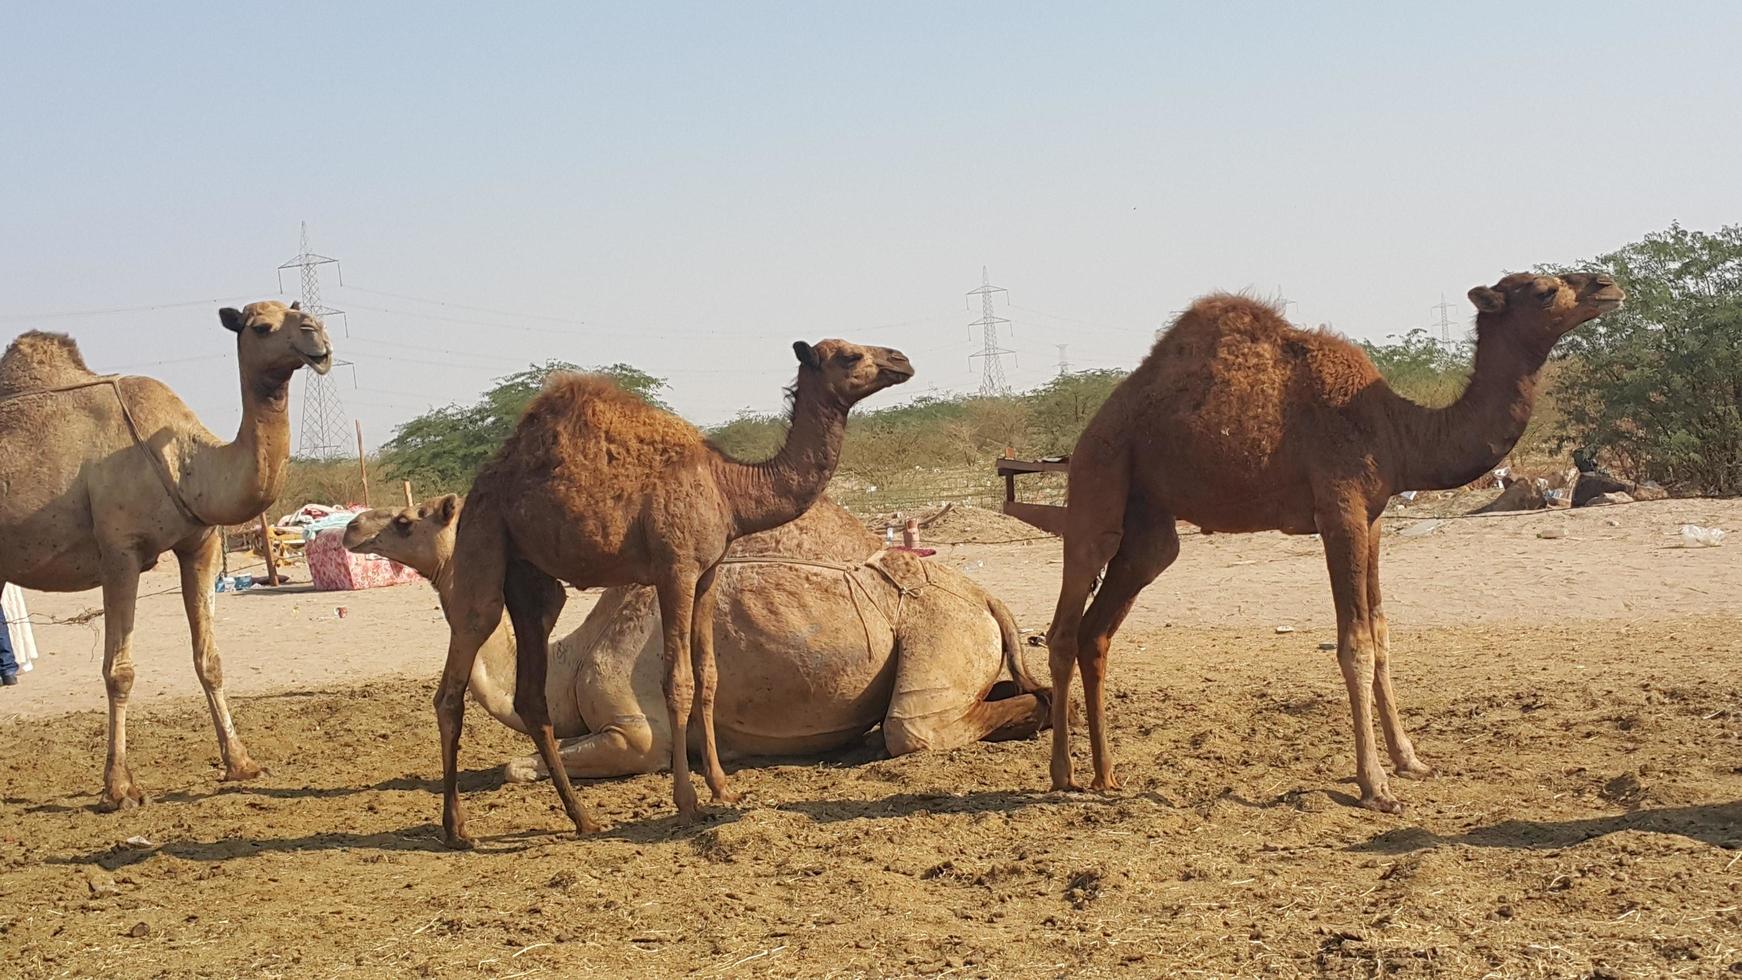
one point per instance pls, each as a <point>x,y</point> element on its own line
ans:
<point>1580,694</point>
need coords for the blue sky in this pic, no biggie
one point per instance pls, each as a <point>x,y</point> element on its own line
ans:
<point>689,188</point>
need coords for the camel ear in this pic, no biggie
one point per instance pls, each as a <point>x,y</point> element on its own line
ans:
<point>1488,300</point>
<point>231,318</point>
<point>296,304</point>
<point>446,508</point>
<point>807,355</point>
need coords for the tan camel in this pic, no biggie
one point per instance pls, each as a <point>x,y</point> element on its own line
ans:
<point>597,488</point>
<point>1237,421</point>
<point>101,475</point>
<point>817,644</point>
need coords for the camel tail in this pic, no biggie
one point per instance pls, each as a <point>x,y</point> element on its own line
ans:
<point>1012,644</point>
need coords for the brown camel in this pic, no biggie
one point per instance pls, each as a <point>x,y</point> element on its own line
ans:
<point>597,488</point>
<point>1237,421</point>
<point>102,474</point>
<point>821,635</point>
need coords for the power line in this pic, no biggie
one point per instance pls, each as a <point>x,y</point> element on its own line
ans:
<point>109,310</point>
<point>992,379</point>
<point>322,413</point>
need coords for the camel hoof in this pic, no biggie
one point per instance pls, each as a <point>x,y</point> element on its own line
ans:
<point>1382,804</point>
<point>588,826</point>
<point>521,771</point>
<point>242,772</point>
<point>1107,785</point>
<point>457,840</point>
<point>1067,786</point>
<point>1415,770</point>
<point>727,797</point>
<point>132,797</point>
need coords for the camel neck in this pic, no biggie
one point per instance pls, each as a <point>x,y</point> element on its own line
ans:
<point>768,494</point>
<point>235,482</point>
<point>1445,448</point>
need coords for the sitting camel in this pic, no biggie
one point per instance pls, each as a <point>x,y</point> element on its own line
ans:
<point>101,474</point>
<point>1237,421</point>
<point>819,638</point>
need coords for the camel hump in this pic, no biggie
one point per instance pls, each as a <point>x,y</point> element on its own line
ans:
<point>42,360</point>
<point>1236,312</point>
<point>596,404</point>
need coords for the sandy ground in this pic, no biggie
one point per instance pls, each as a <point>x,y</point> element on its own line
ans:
<point>1579,694</point>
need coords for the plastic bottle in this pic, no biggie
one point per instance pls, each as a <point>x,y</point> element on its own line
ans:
<point>1695,536</point>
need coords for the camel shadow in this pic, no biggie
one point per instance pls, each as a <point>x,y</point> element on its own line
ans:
<point>422,838</point>
<point>1718,824</point>
<point>470,780</point>
<point>925,804</point>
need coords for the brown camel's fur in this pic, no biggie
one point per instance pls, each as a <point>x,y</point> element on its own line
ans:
<point>597,488</point>
<point>84,501</point>
<point>1237,421</point>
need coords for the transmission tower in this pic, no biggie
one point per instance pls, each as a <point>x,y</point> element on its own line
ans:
<point>323,416</point>
<point>1443,322</point>
<point>1064,362</point>
<point>992,381</point>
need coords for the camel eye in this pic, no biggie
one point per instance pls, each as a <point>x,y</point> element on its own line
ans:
<point>852,358</point>
<point>263,328</point>
<point>402,524</point>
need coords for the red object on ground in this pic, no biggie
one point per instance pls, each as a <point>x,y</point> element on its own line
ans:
<point>333,569</point>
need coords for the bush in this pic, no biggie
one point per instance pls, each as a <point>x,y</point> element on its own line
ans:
<point>1655,389</point>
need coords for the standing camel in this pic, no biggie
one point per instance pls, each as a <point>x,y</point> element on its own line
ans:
<point>1237,421</point>
<point>100,475</point>
<point>597,488</point>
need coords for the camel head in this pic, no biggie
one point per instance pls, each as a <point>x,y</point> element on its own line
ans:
<point>420,537</point>
<point>848,372</point>
<point>273,340</point>
<point>1543,308</point>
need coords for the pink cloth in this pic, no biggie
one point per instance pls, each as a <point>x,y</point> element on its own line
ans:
<point>333,569</point>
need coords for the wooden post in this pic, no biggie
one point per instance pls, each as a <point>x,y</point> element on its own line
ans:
<point>408,502</point>
<point>362,462</point>
<point>266,546</point>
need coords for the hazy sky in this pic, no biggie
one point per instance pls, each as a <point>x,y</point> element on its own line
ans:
<point>689,189</point>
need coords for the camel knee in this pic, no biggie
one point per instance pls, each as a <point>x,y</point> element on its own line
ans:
<point>680,692</point>
<point>209,669</point>
<point>904,737</point>
<point>118,680</point>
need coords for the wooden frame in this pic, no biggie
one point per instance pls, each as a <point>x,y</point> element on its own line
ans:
<point>1048,517</point>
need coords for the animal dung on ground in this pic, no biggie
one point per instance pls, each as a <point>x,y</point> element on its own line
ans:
<point>1552,533</point>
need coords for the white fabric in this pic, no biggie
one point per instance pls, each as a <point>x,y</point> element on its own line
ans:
<point>18,627</point>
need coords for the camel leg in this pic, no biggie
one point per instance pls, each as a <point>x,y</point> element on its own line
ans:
<point>677,601</point>
<point>1094,526</point>
<point>937,701</point>
<point>707,678</point>
<point>1150,544</point>
<point>1346,551</point>
<point>621,748</point>
<point>199,568</point>
<point>991,721</point>
<point>534,601</point>
<point>464,640</point>
<point>120,593</point>
<point>1403,757</point>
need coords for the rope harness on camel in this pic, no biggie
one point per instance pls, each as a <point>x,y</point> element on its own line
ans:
<point>158,465</point>
<point>875,563</point>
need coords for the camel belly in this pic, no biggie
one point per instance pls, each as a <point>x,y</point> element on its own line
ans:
<point>800,669</point>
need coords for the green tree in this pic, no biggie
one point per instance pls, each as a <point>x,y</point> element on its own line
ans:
<point>1656,387</point>
<point>442,449</point>
<point>1061,408</point>
<point>1421,368</point>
